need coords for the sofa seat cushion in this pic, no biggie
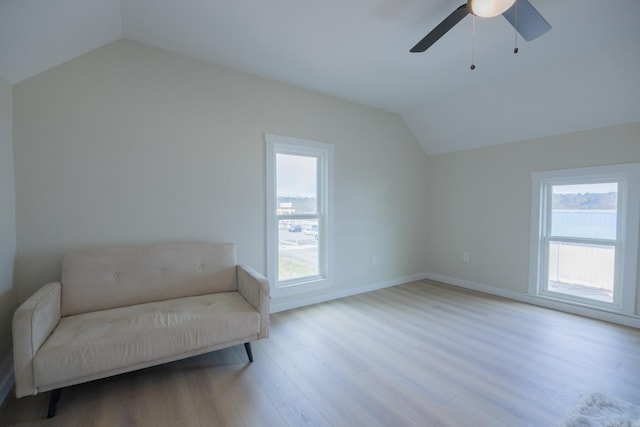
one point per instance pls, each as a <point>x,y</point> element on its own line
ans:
<point>104,342</point>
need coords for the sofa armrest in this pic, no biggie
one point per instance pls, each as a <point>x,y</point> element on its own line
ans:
<point>254,287</point>
<point>33,322</point>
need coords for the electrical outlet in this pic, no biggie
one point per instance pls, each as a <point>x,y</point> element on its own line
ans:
<point>374,260</point>
<point>465,256</point>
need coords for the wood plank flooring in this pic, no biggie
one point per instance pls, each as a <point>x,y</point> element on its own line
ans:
<point>419,354</point>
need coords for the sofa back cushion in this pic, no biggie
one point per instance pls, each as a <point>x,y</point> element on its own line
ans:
<point>101,279</point>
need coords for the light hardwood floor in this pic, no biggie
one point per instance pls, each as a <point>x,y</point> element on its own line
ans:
<point>419,354</point>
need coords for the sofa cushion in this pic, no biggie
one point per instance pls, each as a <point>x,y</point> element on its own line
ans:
<point>100,279</point>
<point>104,342</point>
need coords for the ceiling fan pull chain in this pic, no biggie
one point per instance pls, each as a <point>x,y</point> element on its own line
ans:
<point>473,39</point>
<point>515,49</point>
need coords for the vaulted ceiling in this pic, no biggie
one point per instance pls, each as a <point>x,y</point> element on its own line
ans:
<point>582,74</point>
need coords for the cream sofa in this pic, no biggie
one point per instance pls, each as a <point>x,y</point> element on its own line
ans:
<point>118,310</point>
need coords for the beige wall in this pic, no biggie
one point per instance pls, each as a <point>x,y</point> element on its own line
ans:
<point>7,223</point>
<point>131,144</point>
<point>479,201</point>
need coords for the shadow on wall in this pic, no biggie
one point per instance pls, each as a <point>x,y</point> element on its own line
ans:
<point>34,271</point>
<point>30,273</point>
<point>8,304</point>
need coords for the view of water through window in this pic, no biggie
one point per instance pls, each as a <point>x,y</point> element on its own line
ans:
<point>581,249</point>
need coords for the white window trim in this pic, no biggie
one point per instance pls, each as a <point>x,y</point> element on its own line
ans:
<point>628,177</point>
<point>324,151</point>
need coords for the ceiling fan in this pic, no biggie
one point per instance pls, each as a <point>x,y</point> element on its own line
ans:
<point>520,13</point>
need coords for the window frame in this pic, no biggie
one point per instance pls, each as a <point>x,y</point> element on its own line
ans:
<point>323,151</point>
<point>627,176</point>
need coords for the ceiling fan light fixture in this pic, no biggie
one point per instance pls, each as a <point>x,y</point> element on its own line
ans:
<point>489,8</point>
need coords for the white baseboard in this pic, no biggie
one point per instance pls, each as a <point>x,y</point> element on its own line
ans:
<point>6,376</point>
<point>633,321</point>
<point>289,304</point>
<point>277,306</point>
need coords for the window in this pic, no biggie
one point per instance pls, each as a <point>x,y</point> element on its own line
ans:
<point>584,236</point>
<point>299,220</point>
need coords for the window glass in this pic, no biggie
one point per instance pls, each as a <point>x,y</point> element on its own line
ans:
<point>297,249</point>
<point>297,186</point>
<point>585,210</point>
<point>581,270</point>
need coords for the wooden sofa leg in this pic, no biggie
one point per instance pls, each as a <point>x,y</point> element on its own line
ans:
<point>53,402</point>
<point>247,346</point>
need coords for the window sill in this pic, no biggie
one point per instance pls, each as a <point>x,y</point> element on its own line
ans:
<point>297,288</point>
<point>581,304</point>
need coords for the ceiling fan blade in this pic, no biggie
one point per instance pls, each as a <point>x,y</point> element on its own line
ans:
<point>530,24</point>
<point>439,31</point>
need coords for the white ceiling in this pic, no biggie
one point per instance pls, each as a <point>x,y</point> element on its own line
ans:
<point>582,74</point>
